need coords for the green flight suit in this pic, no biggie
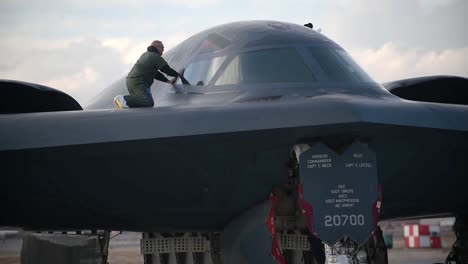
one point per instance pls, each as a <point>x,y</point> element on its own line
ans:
<point>141,77</point>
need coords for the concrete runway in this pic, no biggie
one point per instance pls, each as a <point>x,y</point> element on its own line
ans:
<point>125,249</point>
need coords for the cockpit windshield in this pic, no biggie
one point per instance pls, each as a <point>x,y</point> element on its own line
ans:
<point>200,72</point>
<point>266,66</point>
<point>335,65</point>
<point>326,64</point>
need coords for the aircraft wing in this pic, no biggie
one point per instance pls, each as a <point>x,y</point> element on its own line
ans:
<point>126,169</point>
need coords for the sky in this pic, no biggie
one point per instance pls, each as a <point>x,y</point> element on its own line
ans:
<point>82,46</point>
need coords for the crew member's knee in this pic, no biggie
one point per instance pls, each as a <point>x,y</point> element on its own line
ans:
<point>146,101</point>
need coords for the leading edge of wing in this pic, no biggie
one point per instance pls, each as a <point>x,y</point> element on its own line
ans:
<point>38,130</point>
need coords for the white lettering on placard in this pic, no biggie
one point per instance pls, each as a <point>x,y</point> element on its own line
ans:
<point>319,156</point>
<point>358,165</point>
<point>319,161</point>
<point>341,197</point>
<point>344,219</point>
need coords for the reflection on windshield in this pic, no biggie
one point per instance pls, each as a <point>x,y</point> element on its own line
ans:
<point>337,66</point>
<point>266,66</point>
<point>201,72</point>
<point>278,65</point>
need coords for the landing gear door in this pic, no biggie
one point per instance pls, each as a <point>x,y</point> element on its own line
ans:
<point>342,191</point>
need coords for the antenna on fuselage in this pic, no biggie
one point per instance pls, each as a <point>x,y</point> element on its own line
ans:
<point>311,26</point>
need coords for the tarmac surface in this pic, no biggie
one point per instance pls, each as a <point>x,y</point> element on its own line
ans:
<point>125,249</point>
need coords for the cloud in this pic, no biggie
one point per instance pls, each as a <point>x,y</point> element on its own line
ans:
<point>191,3</point>
<point>131,49</point>
<point>392,62</point>
<point>396,39</point>
<point>107,4</point>
<point>81,68</point>
<point>76,84</point>
<point>119,44</point>
<point>430,6</point>
<point>3,67</point>
<point>368,23</point>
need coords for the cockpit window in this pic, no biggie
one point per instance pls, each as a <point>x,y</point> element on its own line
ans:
<point>277,65</point>
<point>200,72</point>
<point>266,66</point>
<point>337,66</point>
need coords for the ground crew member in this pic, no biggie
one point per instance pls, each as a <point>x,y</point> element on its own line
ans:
<point>140,78</point>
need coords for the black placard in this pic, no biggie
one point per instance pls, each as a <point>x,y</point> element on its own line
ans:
<point>342,190</point>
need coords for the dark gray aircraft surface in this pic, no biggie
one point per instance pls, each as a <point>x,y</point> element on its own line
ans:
<point>212,151</point>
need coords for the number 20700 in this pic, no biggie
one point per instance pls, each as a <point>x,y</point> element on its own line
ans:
<point>342,220</point>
